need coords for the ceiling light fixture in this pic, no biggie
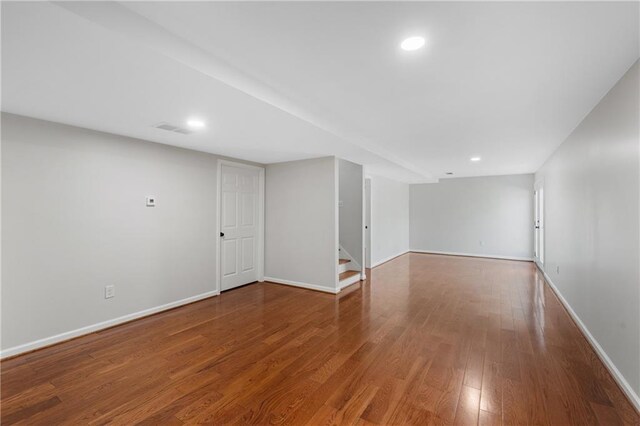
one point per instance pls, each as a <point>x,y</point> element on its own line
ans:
<point>195,124</point>
<point>475,159</point>
<point>412,43</point>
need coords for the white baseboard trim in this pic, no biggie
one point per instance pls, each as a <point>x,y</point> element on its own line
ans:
<point>617,376</point>
<point>488,256</point>
<point>301,285</point>
<point>386,259</point>
<point>48,341</point>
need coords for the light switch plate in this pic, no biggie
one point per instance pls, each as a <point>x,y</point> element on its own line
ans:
<point>151,201</point>
<point>109,291</point>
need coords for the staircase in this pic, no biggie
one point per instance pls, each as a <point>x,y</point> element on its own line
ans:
<point>345,275</point>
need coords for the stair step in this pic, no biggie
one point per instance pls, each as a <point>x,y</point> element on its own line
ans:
<point>347,274</point>
<point>343,261</point>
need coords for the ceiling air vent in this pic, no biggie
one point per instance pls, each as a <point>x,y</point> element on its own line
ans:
<point>171,128</point>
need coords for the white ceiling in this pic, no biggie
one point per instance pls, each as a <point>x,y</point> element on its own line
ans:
<point>507,81</point>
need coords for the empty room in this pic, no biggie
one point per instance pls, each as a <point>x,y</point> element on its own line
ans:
<point>320,213</point>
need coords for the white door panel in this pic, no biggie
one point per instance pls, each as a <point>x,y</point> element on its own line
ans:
<point>230,265</point>
<point>248,209</point>
<point>229,211</point>
<point>367,223</point>
<point>248,250</point>
<point>239,225</point>
<point>539,224</point>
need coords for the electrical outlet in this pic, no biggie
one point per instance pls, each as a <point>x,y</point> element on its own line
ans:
<point>151,201</point>
<point>558,269</point>
<point>481,242</point>
<point>109,291</point>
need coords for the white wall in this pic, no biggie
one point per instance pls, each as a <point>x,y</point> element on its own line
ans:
<point>301,233</point>
<point>74,220</point>
<point>591,190</point>
<point>351,214</point>
<point>488,216</point>
<point>389,219</point>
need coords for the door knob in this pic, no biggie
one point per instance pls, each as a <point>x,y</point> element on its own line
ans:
<point>222,234</point>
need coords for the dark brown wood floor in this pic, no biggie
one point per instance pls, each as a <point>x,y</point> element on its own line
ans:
<point>429,339</point>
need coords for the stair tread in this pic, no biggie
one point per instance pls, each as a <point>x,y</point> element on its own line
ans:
<point>347,274</point>
<point>343,261</point>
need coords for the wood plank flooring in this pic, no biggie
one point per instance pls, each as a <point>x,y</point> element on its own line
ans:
<point>427,339</point>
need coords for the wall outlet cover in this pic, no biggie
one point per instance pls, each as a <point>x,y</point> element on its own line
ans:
<point>151,201</point>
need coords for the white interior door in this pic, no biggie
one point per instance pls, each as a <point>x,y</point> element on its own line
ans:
<point>367,223</point>
<point>239,225</point>
<point>539,224</point>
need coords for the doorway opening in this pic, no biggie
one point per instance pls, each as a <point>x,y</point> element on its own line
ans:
<point>351,238</point>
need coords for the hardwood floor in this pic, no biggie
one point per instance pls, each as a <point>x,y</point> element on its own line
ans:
<point>427,339</point>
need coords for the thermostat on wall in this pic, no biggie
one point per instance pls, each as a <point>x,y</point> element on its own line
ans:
<point>151,201</point>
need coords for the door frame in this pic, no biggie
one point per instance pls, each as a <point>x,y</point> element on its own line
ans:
<point>260,236</point>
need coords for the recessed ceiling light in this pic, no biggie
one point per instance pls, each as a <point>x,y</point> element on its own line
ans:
<point>412,43</point>
<point>475,159</point>
<point>194,123</point>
